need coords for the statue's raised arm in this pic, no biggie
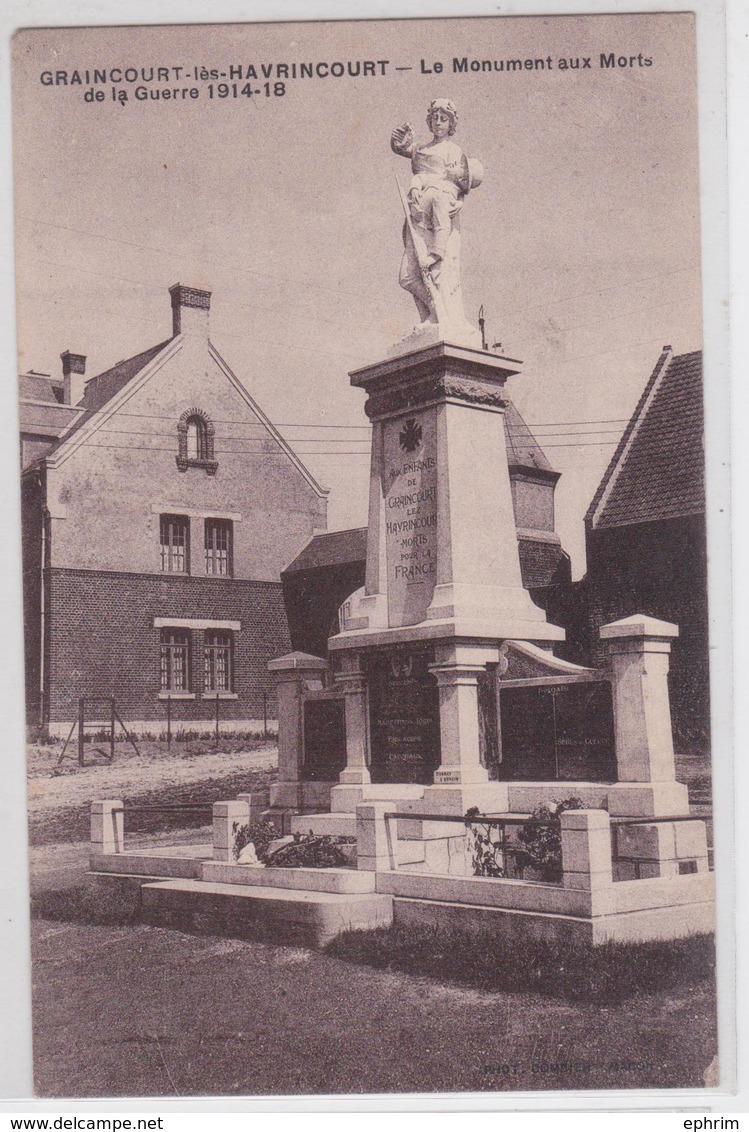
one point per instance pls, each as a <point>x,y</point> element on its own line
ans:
<point>402,140</point>
<point>442,177</point>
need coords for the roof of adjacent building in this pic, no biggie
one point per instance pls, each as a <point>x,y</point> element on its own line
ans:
<point>523,450</point>
<point>40,387</point>
<point>102,388</point>
<point>331,548</point>
<point>43,414</point>
<point>658,469</point>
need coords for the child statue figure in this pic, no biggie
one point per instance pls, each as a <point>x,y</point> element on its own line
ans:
<point>442,177</point>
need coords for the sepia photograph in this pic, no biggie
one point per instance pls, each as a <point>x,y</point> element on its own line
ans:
<point>365,566</point>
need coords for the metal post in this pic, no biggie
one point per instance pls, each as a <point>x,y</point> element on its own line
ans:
<point>265,715</point>
<point>217,716</point>
<point>81,724</point>
<point>169,723</point>
<point>111,733</point>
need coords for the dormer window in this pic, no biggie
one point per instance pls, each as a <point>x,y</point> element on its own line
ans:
<point>195,442</point>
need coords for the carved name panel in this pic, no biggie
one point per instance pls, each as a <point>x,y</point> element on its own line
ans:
<point>558,732</point>
<point>324,740</point>
<point>403,715</point>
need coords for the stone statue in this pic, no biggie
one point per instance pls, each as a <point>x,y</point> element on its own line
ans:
<point>442,177</point>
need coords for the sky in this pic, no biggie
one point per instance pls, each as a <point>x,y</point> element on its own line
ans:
<point>582,243</point>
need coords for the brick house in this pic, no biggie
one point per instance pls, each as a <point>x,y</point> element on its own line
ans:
<point>646,538</point>
<point>159,507</point>
<point>332,566</point>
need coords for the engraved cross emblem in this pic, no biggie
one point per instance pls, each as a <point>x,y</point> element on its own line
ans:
<point>410,436</point>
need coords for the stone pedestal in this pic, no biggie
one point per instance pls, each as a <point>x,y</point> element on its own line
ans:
<point>638,649</point>
<point>296,673</point>
<point>228,817</point>
<point>442,548</point>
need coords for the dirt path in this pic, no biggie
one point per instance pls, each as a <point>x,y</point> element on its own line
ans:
<point>59,798</point>
<point>136,776</point>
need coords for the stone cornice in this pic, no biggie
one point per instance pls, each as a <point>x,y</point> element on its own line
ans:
<point>435,373</point>
<point>414,394</point>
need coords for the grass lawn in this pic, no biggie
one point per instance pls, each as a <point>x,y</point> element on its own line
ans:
<point>137,1010</point>
<point>122,1008</point>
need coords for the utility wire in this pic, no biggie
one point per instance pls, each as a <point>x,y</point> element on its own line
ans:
<point>522,436</point>
<point>264,274</point>
<point>160,291</point>
<point>307,283</point>
<point>297,452</point>
<point>223,333</point>
<point>299,424</point>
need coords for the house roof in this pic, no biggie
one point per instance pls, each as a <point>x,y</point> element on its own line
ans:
<point>105,393</point>
<point>40,387</point>
<point>523,450</point>
<point>658,469</point>
<point>102,388</point>
<point>332,548</point>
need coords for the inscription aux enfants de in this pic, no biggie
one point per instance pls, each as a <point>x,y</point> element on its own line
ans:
<point>410,483</point>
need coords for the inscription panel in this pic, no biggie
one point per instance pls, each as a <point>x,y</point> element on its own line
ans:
<point>410,490</point>
<point>403,715</point>
<point>324,740</point>
<point>563,731</point>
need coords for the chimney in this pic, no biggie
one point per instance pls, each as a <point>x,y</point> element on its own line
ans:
<point>73,380</point>
<point>190,309</point>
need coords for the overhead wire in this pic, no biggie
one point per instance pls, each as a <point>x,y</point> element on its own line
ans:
<point>348,292</point>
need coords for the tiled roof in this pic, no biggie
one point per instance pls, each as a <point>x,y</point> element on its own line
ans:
<point>40,387</point>
<point>658,469</point>
<point>333,548</point>
<point>103,387</point>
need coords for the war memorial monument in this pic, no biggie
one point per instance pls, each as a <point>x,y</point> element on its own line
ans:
<point>442,707</point>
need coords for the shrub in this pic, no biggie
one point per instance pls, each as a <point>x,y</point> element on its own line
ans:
<point>311,852</point>
<point>259,833</point>
<point>488,853</point>
<point>542,844</point>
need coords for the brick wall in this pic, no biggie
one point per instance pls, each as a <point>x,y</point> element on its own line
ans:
<point>31,553</point>
<point>102,641</point>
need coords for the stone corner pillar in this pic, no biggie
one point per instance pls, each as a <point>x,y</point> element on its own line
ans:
<point>638,648</point>
<point>352,681</point>
<point>586,850</point>
<point>107,826</point>
<point>227,819</point>
<point>296,673</point>
<point>376,837</point>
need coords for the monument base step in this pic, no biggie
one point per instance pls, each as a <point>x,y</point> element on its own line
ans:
<point>311,880</point>
<point>302,917</point>
<point>345,798</point>
<point>330,825</point>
